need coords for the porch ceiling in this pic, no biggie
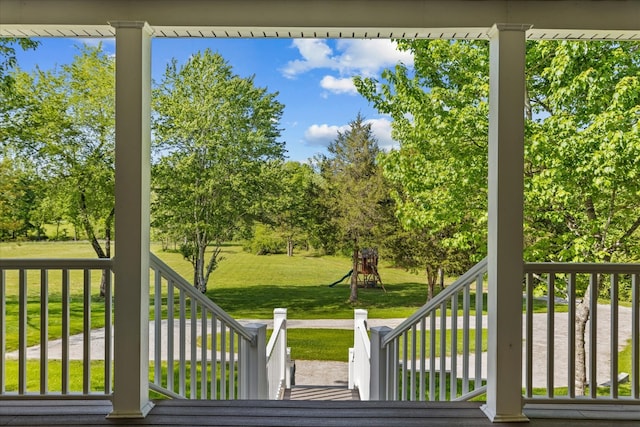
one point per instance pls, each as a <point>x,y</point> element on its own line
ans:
<point>461,19</point>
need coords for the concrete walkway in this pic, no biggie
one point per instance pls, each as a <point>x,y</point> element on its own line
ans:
<point>336,373</point>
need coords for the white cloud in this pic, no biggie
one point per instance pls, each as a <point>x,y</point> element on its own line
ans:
<point>324,134</point>
<point>351,56</point>
<point>381,128</point>
<point>338,85</point>
<point>315,53</point>
<point>368,56</point>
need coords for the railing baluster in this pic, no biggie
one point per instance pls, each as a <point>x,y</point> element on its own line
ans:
<point>157,321</point>
<point>44,331</point>
<point>571,329</point>
<point>3,330</point>
<point>443,351</point>
<point>551,317</point>
<point>170,335</point>
<point>593,336</point>
<point>214,357</point>
<point>22,331</point>
<point>466,350</point>
<point>66,313</point>
<point>203,353</point>
<point>412,390</point>
<point>529,336</point>
<point>223,361</point>
<point>194,348</point>
<point>453,375</point>
<point>403,394</point>
<point>432,357</point>
<point>387,372</point>
<point>182,380</point>
<point>479,316</point>
<point>423,358</point>
<point>396,370</point>
<point>108,322</point>
<point>635,336</point>
<point>614,337</point>
<point>232,394</point>
<point>86,333</point>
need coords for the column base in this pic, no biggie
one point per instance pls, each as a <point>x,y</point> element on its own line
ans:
<point>143,412</point>
<point>503,418</point>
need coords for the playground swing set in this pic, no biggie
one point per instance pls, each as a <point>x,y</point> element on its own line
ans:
<point>367,275</point>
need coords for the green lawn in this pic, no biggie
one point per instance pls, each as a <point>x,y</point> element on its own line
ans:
<point>251,286</point>
<point>246,285</point>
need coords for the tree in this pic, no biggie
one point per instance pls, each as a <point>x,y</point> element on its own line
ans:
<point>582,197</point>
<point>291,206</point>
<point>354,188</point>
<point>439,174</point>
<point>65,122</point>
<point>215,135</point>
<point>8,59</point>
<point>581,149</point>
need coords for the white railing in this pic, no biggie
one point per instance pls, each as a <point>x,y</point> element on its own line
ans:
<point>360,356</point>
<point>278,356</point>
<point>40,298</point>
<point>56,335</point>
<point>437,353</point>
<point>552,336</point>
<point>206,353</point>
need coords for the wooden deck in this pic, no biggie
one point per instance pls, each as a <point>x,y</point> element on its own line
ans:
<point>297,413</point>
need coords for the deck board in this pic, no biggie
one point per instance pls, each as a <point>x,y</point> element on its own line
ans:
<point>303,413</point>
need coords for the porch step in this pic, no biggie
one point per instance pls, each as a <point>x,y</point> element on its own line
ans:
<point>320,392</point>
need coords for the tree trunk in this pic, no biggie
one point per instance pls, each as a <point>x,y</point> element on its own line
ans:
<point>200,280</point>
<point>107,246</point>
<point>582,317</point>
<point>441,278</point>
<point>583,313</point>
<point>289,246</point>
<point>354,276</point>
<point>432,278</point>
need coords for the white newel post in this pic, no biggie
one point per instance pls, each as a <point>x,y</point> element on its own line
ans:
<point>359,316</point>
<point>280,314</point>
<point>506,200</point>
<point>378,383</point>
<point>132,186</point>
<point>255,384</point>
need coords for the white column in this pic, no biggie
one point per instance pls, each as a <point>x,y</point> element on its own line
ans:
<point>132,186</point>
<point>506,199</point>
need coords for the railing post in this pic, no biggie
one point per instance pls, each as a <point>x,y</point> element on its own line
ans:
<point>278,315</point>
<point>253,383</point>
<point>378,382</point>
<point>359,315</point>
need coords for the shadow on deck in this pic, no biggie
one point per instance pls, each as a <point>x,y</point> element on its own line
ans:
<point>310,392</point>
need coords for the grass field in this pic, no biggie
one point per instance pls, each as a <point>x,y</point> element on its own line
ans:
<point>251,286</point>
<point>246,285</point>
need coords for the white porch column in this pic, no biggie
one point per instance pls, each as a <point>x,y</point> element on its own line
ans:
<point>506,189</point>
<point>132,187</point>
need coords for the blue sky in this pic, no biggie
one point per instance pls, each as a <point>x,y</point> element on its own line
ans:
<point>312,77</point>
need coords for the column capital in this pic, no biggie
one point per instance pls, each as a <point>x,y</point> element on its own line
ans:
<point>143,25</point>
<point>496,28</point>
